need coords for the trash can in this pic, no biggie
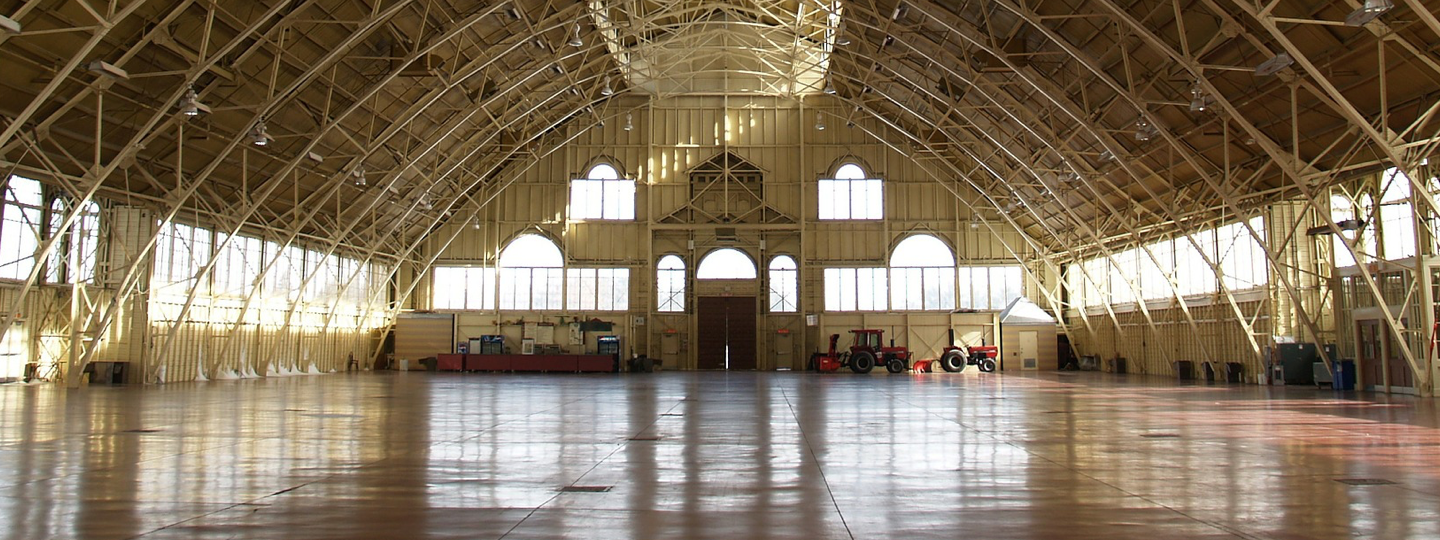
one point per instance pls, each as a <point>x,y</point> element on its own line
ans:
<point>1117,365</point>
<point>1234,372</point>
<point>1209,371</point>
<point>1185,370</point>
<point>1344,376</point>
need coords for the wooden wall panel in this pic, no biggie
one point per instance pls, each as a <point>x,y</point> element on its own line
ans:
<point>423,335</point>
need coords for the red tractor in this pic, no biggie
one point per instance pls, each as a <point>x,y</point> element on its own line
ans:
<point>867,351</point>
<point>955,359</point>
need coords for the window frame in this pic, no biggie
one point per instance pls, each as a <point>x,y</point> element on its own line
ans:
<point>922,285</point>
<point>31,215</point>
<point>873,187</point>
<point>585,289</point>
<point>619,187</point>
<point>515,282</point>
<point>483,295</point>
<point>843,287</point>
<point>754,269</point>
<point>995,299</point>
<point>789,281</point>
<point>670,299</point>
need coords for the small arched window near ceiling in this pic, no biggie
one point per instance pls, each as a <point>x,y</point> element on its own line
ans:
<point>726,263</point>
<point>851,195</point>
<point>670,284</point>
<point>602,194</point>
<point>531,274</point>
<point>784,285</point>
<point>849,171</point>
<point>922,274</point>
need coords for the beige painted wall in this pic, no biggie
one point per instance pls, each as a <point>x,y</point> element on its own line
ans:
<point>671,137</point>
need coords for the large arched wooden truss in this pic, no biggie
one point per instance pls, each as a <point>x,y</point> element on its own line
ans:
<point>1071,120</point>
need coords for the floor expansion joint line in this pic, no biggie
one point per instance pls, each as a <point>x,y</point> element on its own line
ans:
<point>818,467</point>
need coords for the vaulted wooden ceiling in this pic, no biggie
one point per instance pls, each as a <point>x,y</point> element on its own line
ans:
<point>1076,119</point>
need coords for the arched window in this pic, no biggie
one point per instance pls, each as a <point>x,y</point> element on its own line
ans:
<point>670,284</point>
<point>784,285</point>
<point>602,194</point>
<point>726,263</point>
<point>603,171</point>
<point>922,274</point>
<point>531,274</point>
<point>851,195</point>
<point>849,171</point>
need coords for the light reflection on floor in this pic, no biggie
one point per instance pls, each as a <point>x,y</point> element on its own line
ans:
<point>711,455</point>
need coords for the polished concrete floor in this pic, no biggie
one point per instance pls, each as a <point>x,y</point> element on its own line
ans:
<point>713,455</point>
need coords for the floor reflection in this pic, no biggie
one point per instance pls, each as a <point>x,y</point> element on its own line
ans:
<point>714,455</point>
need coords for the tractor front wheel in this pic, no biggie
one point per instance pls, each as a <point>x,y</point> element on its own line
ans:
<point>953,361</point>
<point>862,362</point>
<point>987,365</point>
<point>895,365</point>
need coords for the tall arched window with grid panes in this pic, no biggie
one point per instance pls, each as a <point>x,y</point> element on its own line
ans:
<point>670,284</point>
<point>531,274</point>
<point>784,278</point>
<point>922,275</point>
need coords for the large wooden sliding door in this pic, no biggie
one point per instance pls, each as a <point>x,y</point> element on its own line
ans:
<point>725,335</point>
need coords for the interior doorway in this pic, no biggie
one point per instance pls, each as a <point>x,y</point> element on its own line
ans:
<point>1398,369</point>
<point>1372,373</point>
<point>725,334</point>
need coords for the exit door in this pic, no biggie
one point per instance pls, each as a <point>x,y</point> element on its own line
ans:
<point>725,338</point>
<point>1029,350</point>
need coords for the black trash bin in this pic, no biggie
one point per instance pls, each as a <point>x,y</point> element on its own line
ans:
<point>1185,370</point>
<point>1208,370</point>
<point>1234,372</point>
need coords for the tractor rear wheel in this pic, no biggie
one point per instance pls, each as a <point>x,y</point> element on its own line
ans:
<point>953,361</point>
<point>862,362</point>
